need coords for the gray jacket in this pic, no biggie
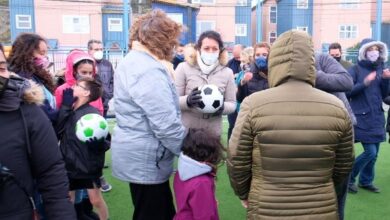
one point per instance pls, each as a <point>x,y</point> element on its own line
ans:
<point>149,131</point>
<point>331,77</point>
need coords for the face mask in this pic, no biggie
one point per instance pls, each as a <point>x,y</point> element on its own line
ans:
<point>79,76</point>
<point>42,62</point>
<point>3,84</point>
<point>98,55</point>
<point>372,55</point>
<point>261,62</point>
<point>180,57</point>
<point>337,58</point>
<point>209,58</point>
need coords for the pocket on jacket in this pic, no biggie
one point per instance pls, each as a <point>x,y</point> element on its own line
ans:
<point>364,119</point>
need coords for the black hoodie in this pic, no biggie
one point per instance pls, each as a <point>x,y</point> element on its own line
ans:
<point>29,149</point>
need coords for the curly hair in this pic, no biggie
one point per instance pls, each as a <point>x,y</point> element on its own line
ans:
<point>156,32</point>
<point>247,55</point>
<point>204,146</point>
<point>21,59</point>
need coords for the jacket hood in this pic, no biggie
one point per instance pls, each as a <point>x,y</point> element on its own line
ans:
<point>367,43</point>
<point>190,56</point>
<point>291,57</point>
<point>189,168</point>
<point>74,57</point>
<point>20,90</point>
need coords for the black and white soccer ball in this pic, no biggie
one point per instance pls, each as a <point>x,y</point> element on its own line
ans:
<point>212,99</point>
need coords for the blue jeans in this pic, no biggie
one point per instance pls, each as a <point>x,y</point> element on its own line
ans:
<point>365,165</point>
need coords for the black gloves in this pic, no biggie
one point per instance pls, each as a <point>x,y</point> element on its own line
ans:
<point>100,145</point>
<point>67,97</point>
<point>194,98</point>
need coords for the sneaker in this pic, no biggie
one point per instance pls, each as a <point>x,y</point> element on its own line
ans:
<point>105,186</point>
<point>352,189</point>
<point>370,188</point>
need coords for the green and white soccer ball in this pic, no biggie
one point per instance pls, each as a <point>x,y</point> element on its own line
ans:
<point>91,126</point>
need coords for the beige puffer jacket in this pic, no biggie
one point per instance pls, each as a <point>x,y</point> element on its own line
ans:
<point>292,141</point>
<point>189,76</point>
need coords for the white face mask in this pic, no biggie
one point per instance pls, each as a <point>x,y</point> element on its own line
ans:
<point>98,55</point>
<point>372,55</point>
<point>209,58</point>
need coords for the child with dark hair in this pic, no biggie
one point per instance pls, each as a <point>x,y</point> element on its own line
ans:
<point>83,161</point>
<point>194,182</point>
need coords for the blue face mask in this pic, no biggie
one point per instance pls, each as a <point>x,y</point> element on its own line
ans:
<point>261,63</point>
<point>180,57</point>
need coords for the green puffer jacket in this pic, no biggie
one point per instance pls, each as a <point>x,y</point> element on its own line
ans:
<point>292,142</point>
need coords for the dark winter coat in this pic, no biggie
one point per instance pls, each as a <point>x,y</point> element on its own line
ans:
<point>234,65</point>
<point>106,75</point>
<point>258,82</point>
<point>366,101</point>
<point>333,78</point>
<point>29,149</point>
<point>81,161</point>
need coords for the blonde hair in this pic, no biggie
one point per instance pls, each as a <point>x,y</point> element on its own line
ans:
<point>246,55</point>
<point>158,33</point>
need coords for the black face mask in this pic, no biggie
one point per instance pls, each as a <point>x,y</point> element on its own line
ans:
<point>3,84</point>
<point>337,58</point>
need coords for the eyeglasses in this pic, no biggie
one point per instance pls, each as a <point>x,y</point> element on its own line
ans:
<point>77,84</point>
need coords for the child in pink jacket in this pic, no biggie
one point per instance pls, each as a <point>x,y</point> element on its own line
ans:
<point>194,182</point>
<point>79,64</point>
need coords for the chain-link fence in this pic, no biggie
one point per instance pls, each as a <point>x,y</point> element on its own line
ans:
<point>58,58</point>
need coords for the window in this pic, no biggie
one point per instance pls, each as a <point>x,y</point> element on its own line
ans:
<point>302,28</point>
<point>240,30</point>
<point>202,26</point>
<point>177,17</point>
<point>349,4</point>
<point>115,25</point>
<point>203,1</point>
<point>75,24</point>
<point>302,4</point>
<point>272,14</point>
<point>347,31</point>
<point>23,22</point>
<point>242,2</point>
<point>272,37</point>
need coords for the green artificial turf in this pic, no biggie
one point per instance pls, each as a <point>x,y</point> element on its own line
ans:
<point>361,206</point>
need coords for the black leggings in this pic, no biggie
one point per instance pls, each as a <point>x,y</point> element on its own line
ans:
<point>152,202</point>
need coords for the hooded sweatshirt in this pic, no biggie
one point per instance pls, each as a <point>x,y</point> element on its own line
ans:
<point>73,58</point>
<point>291,142</point>
<point>194,191</point>
<point>29,149</point>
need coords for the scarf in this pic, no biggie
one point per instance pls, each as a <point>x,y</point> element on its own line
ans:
<point>203,67</point>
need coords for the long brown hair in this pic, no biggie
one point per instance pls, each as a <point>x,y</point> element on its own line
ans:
<point>156,32</point>
<point>21,59</point>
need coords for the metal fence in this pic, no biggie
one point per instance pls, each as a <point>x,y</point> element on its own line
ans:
<point>58,58</point>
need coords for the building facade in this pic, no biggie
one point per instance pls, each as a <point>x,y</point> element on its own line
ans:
<point>68,24</point>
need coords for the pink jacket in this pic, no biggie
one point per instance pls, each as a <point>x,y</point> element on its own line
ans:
<point>74,57</point>
<point>194,187</point>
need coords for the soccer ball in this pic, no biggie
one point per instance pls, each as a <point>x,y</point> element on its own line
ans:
<point>91,126</point>
<point>212,99</point>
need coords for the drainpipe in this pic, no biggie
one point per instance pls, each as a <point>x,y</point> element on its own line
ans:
<point>126,9</point>
<point>259,19</point>
<point>378,24</point>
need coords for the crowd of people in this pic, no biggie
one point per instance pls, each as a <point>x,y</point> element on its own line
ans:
<point>294,116</point>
